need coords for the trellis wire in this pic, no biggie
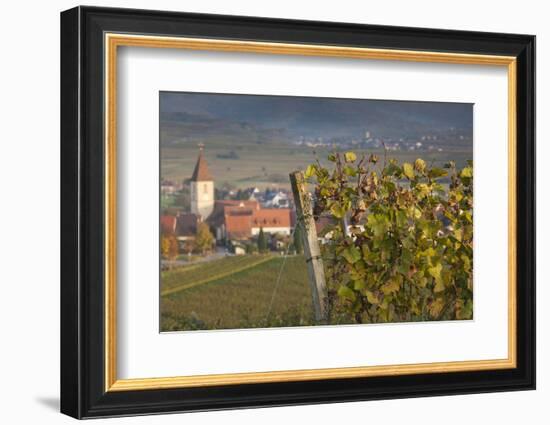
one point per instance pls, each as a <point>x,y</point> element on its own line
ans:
<point>281,272</point>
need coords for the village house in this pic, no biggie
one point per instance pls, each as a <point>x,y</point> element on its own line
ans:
<point>183,226</point>
<point>241,220</point>
<point>168,224</point>
<point>278,199</point>
<point>168,187</point>
<point>230,220</point>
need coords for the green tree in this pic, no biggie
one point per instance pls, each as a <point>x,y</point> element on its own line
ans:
<point>262,241</point>
<point>408,253</point>
<point>203,239</point>
<point>241,195</point>
<point>251,248</point>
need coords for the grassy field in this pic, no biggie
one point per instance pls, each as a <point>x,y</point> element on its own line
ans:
<point>235,292</point>
<point>267,165</point>
<point>199,274</point>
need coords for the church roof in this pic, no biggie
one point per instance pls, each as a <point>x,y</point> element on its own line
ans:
<point>201,172</point>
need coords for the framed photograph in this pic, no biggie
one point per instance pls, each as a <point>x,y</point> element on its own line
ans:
<point>261,212</point>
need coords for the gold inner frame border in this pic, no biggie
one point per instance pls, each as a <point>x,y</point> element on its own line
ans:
<point>113,40</point>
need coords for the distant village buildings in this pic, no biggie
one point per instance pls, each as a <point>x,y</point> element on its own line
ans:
<point>168,187</point>
<point>230,220</point>
<point>369,140</point>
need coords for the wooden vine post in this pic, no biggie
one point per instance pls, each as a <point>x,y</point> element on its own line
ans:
<point>316,272</point>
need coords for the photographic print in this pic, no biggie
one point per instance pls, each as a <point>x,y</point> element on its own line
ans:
<point>280,211</point>
<point>319,196</point>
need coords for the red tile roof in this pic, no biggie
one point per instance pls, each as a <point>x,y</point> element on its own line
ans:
<point>323,222</point>
<point>238,226</point>
<point>233,203</point>
<point>271,217</point>
<point>167,224</point>
<point>223,207</point>
<point>240,221</point>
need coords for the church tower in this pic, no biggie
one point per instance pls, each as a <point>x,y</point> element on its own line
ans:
<point>202,188</point>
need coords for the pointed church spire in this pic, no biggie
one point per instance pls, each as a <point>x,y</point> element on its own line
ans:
<point>201,172</point>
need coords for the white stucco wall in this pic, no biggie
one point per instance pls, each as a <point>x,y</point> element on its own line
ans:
<point>202,198</point>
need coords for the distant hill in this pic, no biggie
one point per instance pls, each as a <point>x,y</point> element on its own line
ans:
<point>267,119</point>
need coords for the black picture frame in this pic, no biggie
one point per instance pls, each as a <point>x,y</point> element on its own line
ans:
<point>83,392</point>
